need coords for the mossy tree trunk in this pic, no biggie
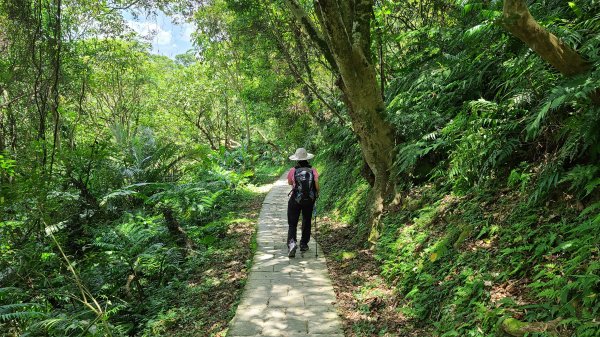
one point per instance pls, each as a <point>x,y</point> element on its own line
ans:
<point>518,21</point>
<point>344,38</point>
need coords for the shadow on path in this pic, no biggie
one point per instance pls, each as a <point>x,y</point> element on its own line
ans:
<point>284,296</point>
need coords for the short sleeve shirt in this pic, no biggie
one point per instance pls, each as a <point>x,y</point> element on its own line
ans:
<point>290,175</point>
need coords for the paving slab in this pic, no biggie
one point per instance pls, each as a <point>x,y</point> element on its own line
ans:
<point>285,297</point>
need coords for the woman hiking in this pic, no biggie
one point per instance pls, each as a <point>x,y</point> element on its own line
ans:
<point>305,190</point>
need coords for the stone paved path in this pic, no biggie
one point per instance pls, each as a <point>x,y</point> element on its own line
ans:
<point>286,297</point>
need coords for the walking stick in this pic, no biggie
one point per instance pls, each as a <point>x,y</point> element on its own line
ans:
<point>315,216</point>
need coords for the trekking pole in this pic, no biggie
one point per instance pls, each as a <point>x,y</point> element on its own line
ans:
<point>315,216</point>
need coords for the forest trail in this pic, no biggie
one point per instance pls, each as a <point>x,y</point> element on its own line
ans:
<point>283,296</point>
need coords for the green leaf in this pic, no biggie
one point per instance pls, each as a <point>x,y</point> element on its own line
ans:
<point>117,194</point>
<point>575,8</point>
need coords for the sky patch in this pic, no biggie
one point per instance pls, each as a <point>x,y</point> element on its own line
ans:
<point>169,36</point>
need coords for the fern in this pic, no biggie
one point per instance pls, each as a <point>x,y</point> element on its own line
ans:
<point>408,154</point>
<point>547,181</point>
<point>20,312</point>
<point>49,324</point>
<point>582,179</point>
<point>7,166</point>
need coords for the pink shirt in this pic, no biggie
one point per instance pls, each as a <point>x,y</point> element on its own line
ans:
<point>290,176</point>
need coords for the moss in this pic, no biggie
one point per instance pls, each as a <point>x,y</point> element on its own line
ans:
<point>516,328</point>
<point>464,234</point>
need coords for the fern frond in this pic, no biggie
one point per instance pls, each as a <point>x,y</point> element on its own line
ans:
<point>20,311</point>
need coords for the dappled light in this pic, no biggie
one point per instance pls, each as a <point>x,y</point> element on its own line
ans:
<point>228,168</point>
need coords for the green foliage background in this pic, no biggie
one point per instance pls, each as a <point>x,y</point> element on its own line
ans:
<point>496,164</point>
<point>498,177</point>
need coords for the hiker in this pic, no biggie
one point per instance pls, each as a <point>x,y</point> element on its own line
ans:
<point>305,189</point>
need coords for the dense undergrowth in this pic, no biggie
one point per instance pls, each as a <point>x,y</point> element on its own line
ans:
<point>126,199</point>
<point>462,263</point>
<point>162,250</point>
<point>499,180</point>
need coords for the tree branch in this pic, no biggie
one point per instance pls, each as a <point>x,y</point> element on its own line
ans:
<point>297,73</point>
<point>124,6</point>
<point>9,103</point>
<point>300,14</point>
<point>518,20</point>
<point>331,21</point>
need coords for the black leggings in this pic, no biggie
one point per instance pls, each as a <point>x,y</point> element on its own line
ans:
<point>293,214</point>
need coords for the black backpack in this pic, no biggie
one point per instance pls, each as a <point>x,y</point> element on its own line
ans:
<point>305,191</point>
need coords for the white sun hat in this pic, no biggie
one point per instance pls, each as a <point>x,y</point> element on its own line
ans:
<point>301,154</point>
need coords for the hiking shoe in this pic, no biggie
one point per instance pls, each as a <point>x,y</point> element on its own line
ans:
<point>303,248</point>
<point>292,249</point>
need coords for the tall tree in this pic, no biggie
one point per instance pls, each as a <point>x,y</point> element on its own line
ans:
<point>343,35</point>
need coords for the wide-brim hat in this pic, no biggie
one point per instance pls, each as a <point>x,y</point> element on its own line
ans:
<point>301,154</point>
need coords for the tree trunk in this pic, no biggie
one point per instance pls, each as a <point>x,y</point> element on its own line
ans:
<point>248,134</point>
<point>40,92</point>
<point>380,56</point>
<point>367,173</point>
<point>56,50</point>
<point>3,126</point>
<point>375,135</point>
<point>345,41</point>
<point>205,132</point>
<point>176,231</point>
<point>518,20</point>
<point>133,278</point>
<point>237,82</point>
<point>245,111</point>
<point>269,142</point>
<point>12,129</point>
<point>226,121</point>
